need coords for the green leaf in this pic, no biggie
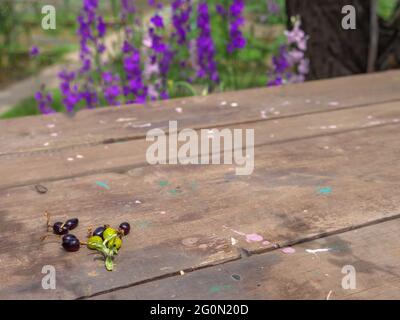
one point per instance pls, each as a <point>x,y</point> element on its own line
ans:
<point>187,86</point>
<point>109,263</point>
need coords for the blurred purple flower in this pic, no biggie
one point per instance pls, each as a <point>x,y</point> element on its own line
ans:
<point>157,43</point>
<point>133,72</point>
<point>70,92</point>
<point>237,41</point>
<point>157,21</point>
<point>107,77</point>
<point>101,27</point>
<point>205,45</point>
<point>220,9</point>
<point>291,65</point>
<point>153,3</point>
<point>34,51</point>
<point>273,7</point>
<point>112,89</point>
<point>304,67</point>
<point>44,101</point>
<point>159,57</point>
<point>111,93</point>
<point>181,12</point>
<point>280,62</point>
<point>90,96</point>
<point>275,82</point>
<point>127,8</point>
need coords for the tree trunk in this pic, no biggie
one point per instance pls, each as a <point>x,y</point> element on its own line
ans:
<point>333,51</point>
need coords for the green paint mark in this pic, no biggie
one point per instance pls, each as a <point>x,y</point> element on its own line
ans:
<point>163,183</point>
<point>325,190</point>
<point>174,191</point>
<point>103,185</point>
<point>216,289</point>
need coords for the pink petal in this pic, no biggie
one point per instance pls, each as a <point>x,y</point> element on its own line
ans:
<point>288,250</point>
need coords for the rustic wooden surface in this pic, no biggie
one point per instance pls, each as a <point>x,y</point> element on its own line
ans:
<point>373,251</point>
<point>339,134</point>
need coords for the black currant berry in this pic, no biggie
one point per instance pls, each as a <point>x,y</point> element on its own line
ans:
<point>71,245</point>
<point>125,227</point>
<point>59,229</point>
<point>72,223</point>
<point>99,231</point>
<point>68,237</point>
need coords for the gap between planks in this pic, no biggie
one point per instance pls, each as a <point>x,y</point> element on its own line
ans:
<point>126,168</point>
<point>248,254</point>
<point>123,170</point>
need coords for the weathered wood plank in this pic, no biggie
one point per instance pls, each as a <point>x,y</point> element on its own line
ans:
<point>189,216</point>
<point>41,166</point>
<point>373,251</point>
<point>131,122</point>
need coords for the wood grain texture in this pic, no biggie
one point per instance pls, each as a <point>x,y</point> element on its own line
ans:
<point>41,166</point>
<point>326,161</point>
<point>132,122</point>
<point>186,216</point>
<point>373,251</point>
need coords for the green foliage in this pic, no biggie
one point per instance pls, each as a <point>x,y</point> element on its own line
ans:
<point>28,107</point>
<point>386,8</point>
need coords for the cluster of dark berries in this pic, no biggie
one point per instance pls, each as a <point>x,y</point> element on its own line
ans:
<point>69,242</point>
<point>104,239</point>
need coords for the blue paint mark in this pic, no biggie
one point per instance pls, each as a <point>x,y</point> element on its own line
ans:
<point>103,185</point>
<point>325,190</point>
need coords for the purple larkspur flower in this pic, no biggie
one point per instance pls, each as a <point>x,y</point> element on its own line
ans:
<point>101,26</point>
<point>181,12</point>
<point>220,9</point>
<point>157,21</point>
<point>155,4</point>
<point>156,41</point>
<point>112,89</point>
<point>44,101</point>
<point>107,77</point>
<point>291,65</point>
<point>205,45</point>
<point>181,21</point>
<point>304,67</point>
<point>273,7</point>
<point>72,98</point>
<point>237,41</point>
<point>159,56</point>
<point>90,22</point>
<point>127,47</point>
<point>281,62</point>
<point>296,35</point>
<point>90,96</point>
<point>132,67</point>
<point>70,92</point>
<point>151,69</point>
<point>278,81</point>
<point>34,51</point>
<point>127,8</point>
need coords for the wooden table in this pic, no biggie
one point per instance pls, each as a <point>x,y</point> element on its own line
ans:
<point>326,178</point>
